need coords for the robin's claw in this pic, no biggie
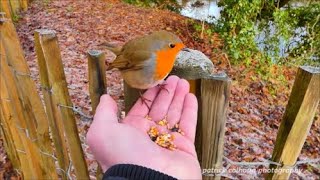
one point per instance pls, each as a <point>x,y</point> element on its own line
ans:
<point>144,101</point>
<point>163,86</point>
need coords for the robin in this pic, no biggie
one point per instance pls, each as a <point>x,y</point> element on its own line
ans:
<point>146,61</point>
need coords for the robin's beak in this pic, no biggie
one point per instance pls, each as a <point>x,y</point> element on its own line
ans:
<point>185,49</point>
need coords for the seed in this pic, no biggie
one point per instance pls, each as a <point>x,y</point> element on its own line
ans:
<point>164,140</point>
<point>163,122</point>
<point>153,133</point>
<point>148,117</point>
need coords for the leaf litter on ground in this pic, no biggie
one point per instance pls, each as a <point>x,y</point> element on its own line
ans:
<point>256,105</point>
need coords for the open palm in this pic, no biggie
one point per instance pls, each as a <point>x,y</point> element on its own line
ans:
<point>128,142</point>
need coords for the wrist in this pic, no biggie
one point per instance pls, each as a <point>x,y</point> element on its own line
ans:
<point>131,171</point>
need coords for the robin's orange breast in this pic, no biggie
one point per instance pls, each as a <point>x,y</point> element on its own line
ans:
<point>165,60</point>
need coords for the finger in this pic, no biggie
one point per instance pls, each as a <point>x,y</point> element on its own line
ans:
<point>162,102</point>
<point>184,144</point>
<point>188,120</point>
<point>175,109</point>
<point>139,108</point>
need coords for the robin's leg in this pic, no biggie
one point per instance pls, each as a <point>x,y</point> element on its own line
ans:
<point>144,100</point>
<point>163,86</point>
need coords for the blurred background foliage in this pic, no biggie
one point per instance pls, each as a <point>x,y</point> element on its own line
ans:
<point>279,32</point>
<point>283,33</point>
<point>172,5</point>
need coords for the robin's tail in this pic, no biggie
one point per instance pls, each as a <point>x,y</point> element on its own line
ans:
<point>115,49</point>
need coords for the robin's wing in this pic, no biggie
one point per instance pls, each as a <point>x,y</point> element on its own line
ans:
<point>131,61</point>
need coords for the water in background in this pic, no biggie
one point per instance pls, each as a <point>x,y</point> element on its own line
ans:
<point>208,10</point>
<point>204,10</point>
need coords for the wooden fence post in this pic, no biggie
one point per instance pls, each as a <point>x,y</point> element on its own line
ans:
<point>9,104</point>
<point>214,103</point>
<point>58,87</point>
<point>16,117</point>
<point>24,4</point>
<point>97,77</point>
<point>296,121</point>
<point>131,96</point>
<point>10,138</point>
<point>97,84</point>
<point>54,117</point>
<point>15,7</point>
<point>195,88</point>
<point>28,106</point>
<point>212,91</point>
<point>11,7</point>
<point>6,9</point>
<point>8,144</point>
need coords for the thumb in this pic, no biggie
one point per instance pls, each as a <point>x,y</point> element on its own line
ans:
<point>104,119</point>
<point>106,114</point>
<point>106,111</point>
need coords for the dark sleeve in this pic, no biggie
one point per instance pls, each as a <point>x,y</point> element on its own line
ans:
<point>134,172</point>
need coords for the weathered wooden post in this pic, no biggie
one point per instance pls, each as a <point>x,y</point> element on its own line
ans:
<point>14,117</point>
<point>214,96</point>
<point>54,117</point>
<point>296,121</point>
<point>212,92</point>
<point>27,104</point>
<point>8,141</point>
<point>131,96</point>
<point>14,7</point>
<point>5,9</point>
<point>9,131</point>
<point>58,87</point>
<point>97,84</point>
<point>24,4</point>
<point>11,7</point>
<point>97,77</point>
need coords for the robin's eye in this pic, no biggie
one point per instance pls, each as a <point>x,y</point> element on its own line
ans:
<point>172,45</point>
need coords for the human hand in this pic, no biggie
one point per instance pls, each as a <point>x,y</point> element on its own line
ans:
<point>128,142</point>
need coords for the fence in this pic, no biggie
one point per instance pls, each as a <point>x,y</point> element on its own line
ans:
<point>12,7</point>
<point>28,129</point>
<point>23,114</point>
